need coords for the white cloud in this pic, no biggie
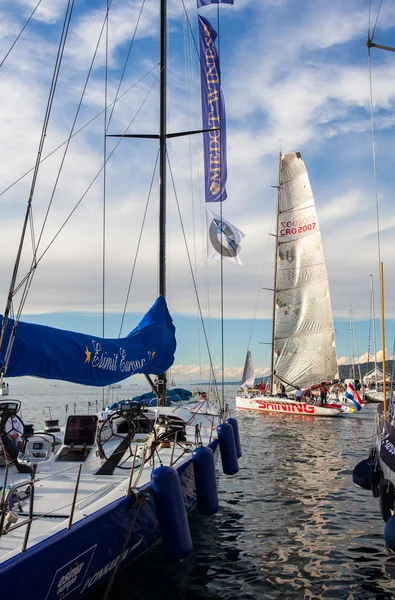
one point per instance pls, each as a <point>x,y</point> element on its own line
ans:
<point>296,77</point>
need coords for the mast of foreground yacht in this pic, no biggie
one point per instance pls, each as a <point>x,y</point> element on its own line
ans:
<point>275,277</point>
<point>162,177</point>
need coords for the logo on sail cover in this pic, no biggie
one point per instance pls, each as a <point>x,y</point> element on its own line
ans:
<point>87,355</point>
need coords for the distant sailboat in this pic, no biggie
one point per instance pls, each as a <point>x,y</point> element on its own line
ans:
<point>248,378</point>
<point>303,339</point>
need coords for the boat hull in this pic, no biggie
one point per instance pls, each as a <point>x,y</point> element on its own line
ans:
<point>267,404</point>
<point>72,563</point>
<point>375,397</point>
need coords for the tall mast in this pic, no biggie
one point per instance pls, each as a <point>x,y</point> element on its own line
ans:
<point>162,175</point>
<point>352,343</point>
<point>374,332</point>
<point>355,357</point>
<point>275,277</point>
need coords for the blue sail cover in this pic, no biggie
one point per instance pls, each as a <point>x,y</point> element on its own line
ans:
<point>51,353</point>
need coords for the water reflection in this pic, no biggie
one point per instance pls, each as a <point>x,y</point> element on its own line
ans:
<point>291,523</point>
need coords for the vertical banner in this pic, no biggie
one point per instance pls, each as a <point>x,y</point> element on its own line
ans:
<point>213,111</point>
<point>223,238</point>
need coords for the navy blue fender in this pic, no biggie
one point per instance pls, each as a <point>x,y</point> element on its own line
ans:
<point>389,533</point>
<point>375,478</point>
<point>205,480</point>
<point>386,490</point>
<point>170,511</point>
<point>361,474</point>
<point>236,434</point>
<point>226,440</point>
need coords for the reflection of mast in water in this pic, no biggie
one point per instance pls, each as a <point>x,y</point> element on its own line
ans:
<point>304,500</point>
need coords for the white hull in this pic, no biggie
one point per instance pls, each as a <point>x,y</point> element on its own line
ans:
<point>270,404</point>
<point>374,396</point>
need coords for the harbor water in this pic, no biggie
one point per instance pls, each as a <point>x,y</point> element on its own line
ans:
<point>291,523</point>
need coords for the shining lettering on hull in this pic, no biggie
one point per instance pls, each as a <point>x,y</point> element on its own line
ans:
<point>282,407</point>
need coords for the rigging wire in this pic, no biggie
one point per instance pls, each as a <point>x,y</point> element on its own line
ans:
<point>138,244</point>
<point>19,34</point>
<point>126,63</point>
<point>28,214</point>
<point>199,168</point>
<point>375,177</point>
<point>223,237</point>
<point>192,275</point>
<point>29,276</point>
<point>371,36</point>
<point>91,184</point>
<point>80,129</point>
<point>71,132</point>
<point>189,88</point>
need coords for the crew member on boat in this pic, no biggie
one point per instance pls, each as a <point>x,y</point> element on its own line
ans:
<point>298,394</point>
<point>307,394</point>
<point>323,393</point>
<point>262,387</point>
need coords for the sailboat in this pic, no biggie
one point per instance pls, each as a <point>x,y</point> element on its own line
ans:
<point>303,341</point>
<point>81,502</point>
<point>248,377</point>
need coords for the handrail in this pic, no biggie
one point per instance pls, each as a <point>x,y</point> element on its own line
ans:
<point>6,495</point>
<point>5,504</point>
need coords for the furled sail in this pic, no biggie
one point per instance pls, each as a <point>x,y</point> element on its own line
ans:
<point>304,342</point>
<point>248,378</point>
<point>51,353</point>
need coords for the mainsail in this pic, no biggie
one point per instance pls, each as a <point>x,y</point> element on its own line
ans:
<point>248,378</point>
<point>51,353</point>
<point>304,342</point>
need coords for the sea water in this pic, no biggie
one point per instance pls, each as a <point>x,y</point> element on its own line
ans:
<point>291,524</point>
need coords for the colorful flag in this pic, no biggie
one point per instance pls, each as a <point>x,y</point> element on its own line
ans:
<point>223,238</point>
<point>352,394</point>
<point>201,3</point>
<point>213,113</point>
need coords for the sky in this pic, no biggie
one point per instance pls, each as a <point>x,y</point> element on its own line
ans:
<point>295,78</point>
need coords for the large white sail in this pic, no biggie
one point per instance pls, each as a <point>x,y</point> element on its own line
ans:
<point>304,342</point>
<point>248,378</point>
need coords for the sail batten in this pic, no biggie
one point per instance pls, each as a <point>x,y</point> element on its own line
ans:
<point>304,343</point>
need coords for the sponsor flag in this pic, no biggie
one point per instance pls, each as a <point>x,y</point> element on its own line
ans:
<point>201,3</point>
<point>223,238</point>
<point>213,114</point>
<point>352,394</point>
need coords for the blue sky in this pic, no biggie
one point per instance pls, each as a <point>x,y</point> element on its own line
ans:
<point>294,77</point>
